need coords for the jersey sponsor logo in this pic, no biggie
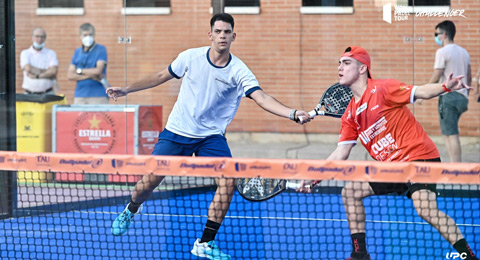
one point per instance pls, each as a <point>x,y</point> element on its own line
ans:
<point>374,90</point>
<point>361,108</point>
<point>404,88</point>
<point>384,147</point>
<point>373,131</point>
<point>375,107</point>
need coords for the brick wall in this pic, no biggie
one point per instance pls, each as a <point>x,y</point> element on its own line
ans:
<point>294,56</point>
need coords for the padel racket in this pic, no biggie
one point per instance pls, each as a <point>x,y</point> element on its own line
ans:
<point>334,100</point>
<point>260,189</point>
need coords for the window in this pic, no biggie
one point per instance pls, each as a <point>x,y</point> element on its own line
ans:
<point>428,6</point>
<point>60,7</point>
<point>327,7</point>
<point>242,3</point>
<point>147,7</point>
<point>327,2</point>
<point>429,2</point>
<point>242,6</point>
<point>148,3</point>
<point>60,3</point>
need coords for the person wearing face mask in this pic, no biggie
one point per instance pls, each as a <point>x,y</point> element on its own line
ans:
<point>88,68</point>
<point>39,65</point>
<point>451,58</point>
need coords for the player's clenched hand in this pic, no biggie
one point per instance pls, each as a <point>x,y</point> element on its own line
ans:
<point>116,92</point>
<point>306,186</point>
<point>302,117</point>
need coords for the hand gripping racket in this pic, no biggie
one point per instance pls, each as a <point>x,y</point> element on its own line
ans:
<point>334,100</point>
<point>260,189</point>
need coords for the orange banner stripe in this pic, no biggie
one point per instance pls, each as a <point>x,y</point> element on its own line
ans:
<point>452,173</point>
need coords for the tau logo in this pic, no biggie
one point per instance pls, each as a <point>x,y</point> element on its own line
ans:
<point>290,166</point>
<point>43,159</point>
<point>422,170</point>
<point>163,163</point>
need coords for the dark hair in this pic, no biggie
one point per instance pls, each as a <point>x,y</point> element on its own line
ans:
<point>448,27</point>
<point>224,17</point>
<point>86,27</point>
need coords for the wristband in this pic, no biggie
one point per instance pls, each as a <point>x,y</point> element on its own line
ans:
<point>292,114</point>
<point>445,88</point>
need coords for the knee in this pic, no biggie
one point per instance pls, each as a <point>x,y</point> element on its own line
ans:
<point>348,191</point>
<point>424,213</point>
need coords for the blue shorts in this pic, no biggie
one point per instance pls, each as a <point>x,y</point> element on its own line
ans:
<point>176,145</point>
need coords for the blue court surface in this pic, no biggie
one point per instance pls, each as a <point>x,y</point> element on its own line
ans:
<point>289,226</point>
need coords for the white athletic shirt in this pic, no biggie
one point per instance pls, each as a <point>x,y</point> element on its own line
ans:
<point>209,95</point>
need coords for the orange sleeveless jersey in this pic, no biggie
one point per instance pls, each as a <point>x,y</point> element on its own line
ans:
<point>385,125</point>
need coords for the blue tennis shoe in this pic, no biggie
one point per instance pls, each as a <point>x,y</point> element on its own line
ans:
<point>121,224</point>
<point>209,250</point>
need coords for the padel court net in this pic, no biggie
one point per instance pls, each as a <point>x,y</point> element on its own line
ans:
<point>61,206</point>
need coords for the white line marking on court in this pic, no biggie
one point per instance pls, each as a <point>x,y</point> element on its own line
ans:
<point>274,218</point>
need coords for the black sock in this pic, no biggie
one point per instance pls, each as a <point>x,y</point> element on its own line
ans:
<point>462,247</point>
<point>211,229</point>
<point>133,206</point>
<point>359,245</point>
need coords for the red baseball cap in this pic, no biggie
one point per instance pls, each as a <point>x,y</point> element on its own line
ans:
<point>359,54</point>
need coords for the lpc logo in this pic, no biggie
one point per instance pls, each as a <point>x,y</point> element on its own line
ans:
<point>454,255</point>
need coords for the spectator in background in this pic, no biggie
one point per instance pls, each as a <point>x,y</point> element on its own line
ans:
<point>477,86</point>
<point>451,58</point>
<point>39,65</point>
<point>88,69</point>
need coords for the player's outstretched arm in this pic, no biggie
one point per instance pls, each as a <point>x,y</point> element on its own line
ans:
<point>432,90</point>
<point>274,106</point>
<point>149,81</point>
<point>340,153</point>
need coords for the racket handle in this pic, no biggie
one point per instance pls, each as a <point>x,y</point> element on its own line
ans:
<point>292,185</point>
<point>295,186</point>
<point>311,114</point>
